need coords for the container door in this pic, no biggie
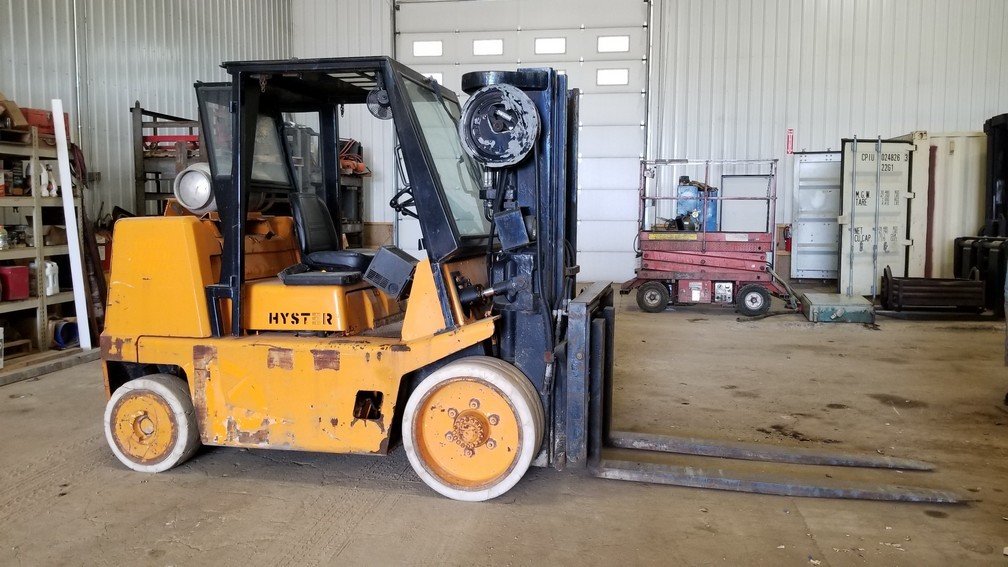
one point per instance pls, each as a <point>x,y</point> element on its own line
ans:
<point>815,233</point>
<point>874,212</point>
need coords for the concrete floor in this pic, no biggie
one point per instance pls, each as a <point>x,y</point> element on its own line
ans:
<point>931,391</point>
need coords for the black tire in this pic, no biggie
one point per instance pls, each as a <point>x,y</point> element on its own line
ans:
<point>652,297</point>
<point>752,300</point>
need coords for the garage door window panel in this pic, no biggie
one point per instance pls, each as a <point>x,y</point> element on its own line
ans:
<point>431,48</point>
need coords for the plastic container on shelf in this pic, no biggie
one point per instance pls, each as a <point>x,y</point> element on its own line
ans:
<point>50,278</point>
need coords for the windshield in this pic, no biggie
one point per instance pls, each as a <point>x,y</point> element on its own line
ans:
<point>460,177</point>
<point>268,163</point>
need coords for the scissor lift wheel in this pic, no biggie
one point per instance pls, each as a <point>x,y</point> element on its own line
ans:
<point>652,297</point>
<point>753,300</point>
<point>472,428</point>
<point>150,423</point>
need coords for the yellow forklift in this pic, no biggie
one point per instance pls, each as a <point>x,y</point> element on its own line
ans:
<point>227,326</point>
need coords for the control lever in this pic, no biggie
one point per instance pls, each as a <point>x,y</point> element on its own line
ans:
<point>473,293</point>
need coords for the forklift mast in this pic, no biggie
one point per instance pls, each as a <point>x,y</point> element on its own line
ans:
<point>530,197</point>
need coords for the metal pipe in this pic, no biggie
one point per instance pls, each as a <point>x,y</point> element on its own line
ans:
<point>77,76</point>
<point>850,254</point>
<point>878,191</point>
<point>929,235</point>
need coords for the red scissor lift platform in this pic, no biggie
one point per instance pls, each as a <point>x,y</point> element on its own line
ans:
<point>701,266</point>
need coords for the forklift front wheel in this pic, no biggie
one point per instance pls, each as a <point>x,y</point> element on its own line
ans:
<point>752,300</point>
<point>150,423</point>
<point>472,428</point>
<point>653,297</point>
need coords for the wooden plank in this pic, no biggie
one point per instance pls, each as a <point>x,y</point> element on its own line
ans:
<point>44,363</point>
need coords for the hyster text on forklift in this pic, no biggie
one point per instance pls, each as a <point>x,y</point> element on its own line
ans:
<point>231,327</point>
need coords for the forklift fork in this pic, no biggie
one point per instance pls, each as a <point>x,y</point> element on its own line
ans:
<point>588,398</point>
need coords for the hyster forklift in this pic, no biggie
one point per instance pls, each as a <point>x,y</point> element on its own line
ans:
<point>230,327</point>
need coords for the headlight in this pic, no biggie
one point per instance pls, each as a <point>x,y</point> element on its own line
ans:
<point>194,190</point>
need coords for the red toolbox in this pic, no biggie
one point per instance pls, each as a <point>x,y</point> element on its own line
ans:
<point>15,283</point>
<point>43,119</point>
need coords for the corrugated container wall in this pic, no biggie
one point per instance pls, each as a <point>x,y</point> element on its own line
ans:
<point>345,28</point>
<point>729,78</point>
<point>150,51</point>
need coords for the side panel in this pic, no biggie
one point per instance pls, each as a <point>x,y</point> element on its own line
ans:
<point>279,391</point>
<point>160,266</point>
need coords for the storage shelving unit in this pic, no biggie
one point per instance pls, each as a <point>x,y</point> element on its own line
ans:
<point>32,205</point>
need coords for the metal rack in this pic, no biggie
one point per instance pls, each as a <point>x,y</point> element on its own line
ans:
<point>32,205</point>
<point>158,156</point>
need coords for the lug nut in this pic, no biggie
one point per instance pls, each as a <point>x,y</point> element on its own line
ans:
<point>474,403</point>
<point>450,436</point>
<point>452,412</point>
<point>493,419</point>
<point>469,452</point>
<point>491,443</point>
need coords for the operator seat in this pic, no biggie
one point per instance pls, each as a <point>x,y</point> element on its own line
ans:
<point>322,262</point>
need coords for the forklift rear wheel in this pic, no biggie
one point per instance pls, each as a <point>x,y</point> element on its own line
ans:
<point>652,297</point>
<point>150,423</point>
<point>472,428</point>
<point>753,300</point>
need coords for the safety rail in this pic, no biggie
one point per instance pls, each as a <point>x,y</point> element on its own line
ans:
<point>650,195</point>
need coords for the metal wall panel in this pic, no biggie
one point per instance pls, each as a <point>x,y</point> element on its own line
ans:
<point>730,77</point>
<point>345,28</point>
<point>37,59</point>
<point>153,51</point>
<point>128,50</point>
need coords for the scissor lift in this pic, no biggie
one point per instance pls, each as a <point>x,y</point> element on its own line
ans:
<point>696,265</point>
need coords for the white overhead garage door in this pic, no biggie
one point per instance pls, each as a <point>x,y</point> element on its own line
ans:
<point>602,46</point>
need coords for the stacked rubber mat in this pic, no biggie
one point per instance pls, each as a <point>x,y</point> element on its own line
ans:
<point>989,256</point>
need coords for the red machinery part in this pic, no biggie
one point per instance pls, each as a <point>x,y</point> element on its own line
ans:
<point>43,120</point>
<point>15,283</point>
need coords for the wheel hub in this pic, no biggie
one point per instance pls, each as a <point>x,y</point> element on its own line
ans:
<point>467,433</point>
<point>471,429</point>
<point>144,427</point>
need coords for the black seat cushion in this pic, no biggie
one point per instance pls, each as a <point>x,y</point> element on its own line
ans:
<point>299,274</point>
<point>313,223</point>
<point>320,243</point>
<point>336,259</point>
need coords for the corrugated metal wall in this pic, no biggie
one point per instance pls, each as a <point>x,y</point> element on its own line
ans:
<point>151,50</point>
<point>343,28</point>
<point>728,78</point>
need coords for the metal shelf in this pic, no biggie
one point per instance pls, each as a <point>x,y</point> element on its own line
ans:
<point>29,252</point>
<point>351,181</point>
<point>8,149</point>
<point>8,306</point>
<point>29,201</point>
<point>18,253</point>
<point>31,205</point>
<point>61,297</point>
